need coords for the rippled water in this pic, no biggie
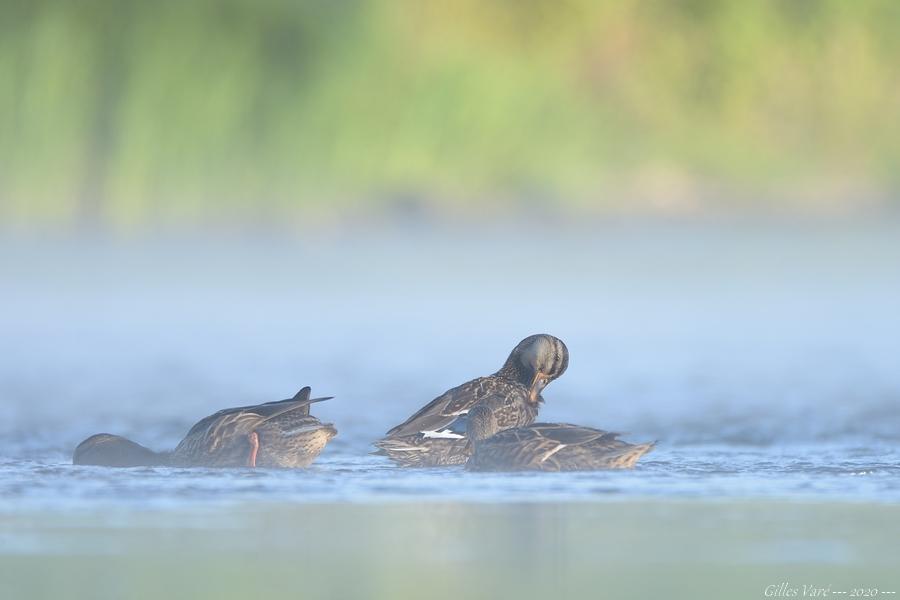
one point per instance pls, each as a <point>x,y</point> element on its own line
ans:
<point>799,472</point>
<point>762,357</point>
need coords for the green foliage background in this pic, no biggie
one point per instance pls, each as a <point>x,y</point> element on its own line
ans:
<point>127,111</point>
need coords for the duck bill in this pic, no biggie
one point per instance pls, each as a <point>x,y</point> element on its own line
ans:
<point>536,387</point>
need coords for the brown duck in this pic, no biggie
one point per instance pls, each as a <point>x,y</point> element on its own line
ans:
<point>546,447</point>
<point>436,434</point>
<point>274,434</point>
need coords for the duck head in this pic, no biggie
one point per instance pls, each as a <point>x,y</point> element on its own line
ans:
<point>535,362</point>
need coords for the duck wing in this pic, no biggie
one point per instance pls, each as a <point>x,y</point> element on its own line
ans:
<point>256,412</point>
<point>450,406</point>
<point>567,434</point>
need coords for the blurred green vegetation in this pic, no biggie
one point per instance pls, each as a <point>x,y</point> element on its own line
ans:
<point>628,549</point>
<point>126,112</point>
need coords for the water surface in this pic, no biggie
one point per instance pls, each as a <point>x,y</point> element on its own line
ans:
<point>762,357</point>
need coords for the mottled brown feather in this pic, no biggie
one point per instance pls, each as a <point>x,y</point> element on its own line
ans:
<point>220,440</point>
<point>447,407</point>
<point>554,447</point>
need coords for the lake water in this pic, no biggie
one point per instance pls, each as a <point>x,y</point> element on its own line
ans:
<point>762,356</point>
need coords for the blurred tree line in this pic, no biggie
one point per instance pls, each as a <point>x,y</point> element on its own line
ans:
<point>127,111</point>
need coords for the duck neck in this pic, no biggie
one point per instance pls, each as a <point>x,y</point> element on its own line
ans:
<point>116,451</point>
<point>481,424</point>
<point>161,459</point>
<point>137,455</point>
<point>514,370</point>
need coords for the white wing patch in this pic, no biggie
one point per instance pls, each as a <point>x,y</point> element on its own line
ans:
<point>442,434</point>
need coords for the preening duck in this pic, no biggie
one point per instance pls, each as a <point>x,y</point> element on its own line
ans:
<point>546,447</point>
<point>274,434</point>
<point>436,434</point>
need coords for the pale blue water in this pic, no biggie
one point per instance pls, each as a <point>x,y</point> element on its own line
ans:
<point>817,472</point>
<point>764,358</point>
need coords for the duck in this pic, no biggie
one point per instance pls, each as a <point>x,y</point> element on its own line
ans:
<point>546,447</point>
<point>436,434</point>
<point>280,434</point>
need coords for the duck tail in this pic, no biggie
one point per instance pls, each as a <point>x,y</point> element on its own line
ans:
<point>107,450</point>
<point>632,454</point>
<point>329,429</point>
<point>403,451</point>
<point>299,405</point>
